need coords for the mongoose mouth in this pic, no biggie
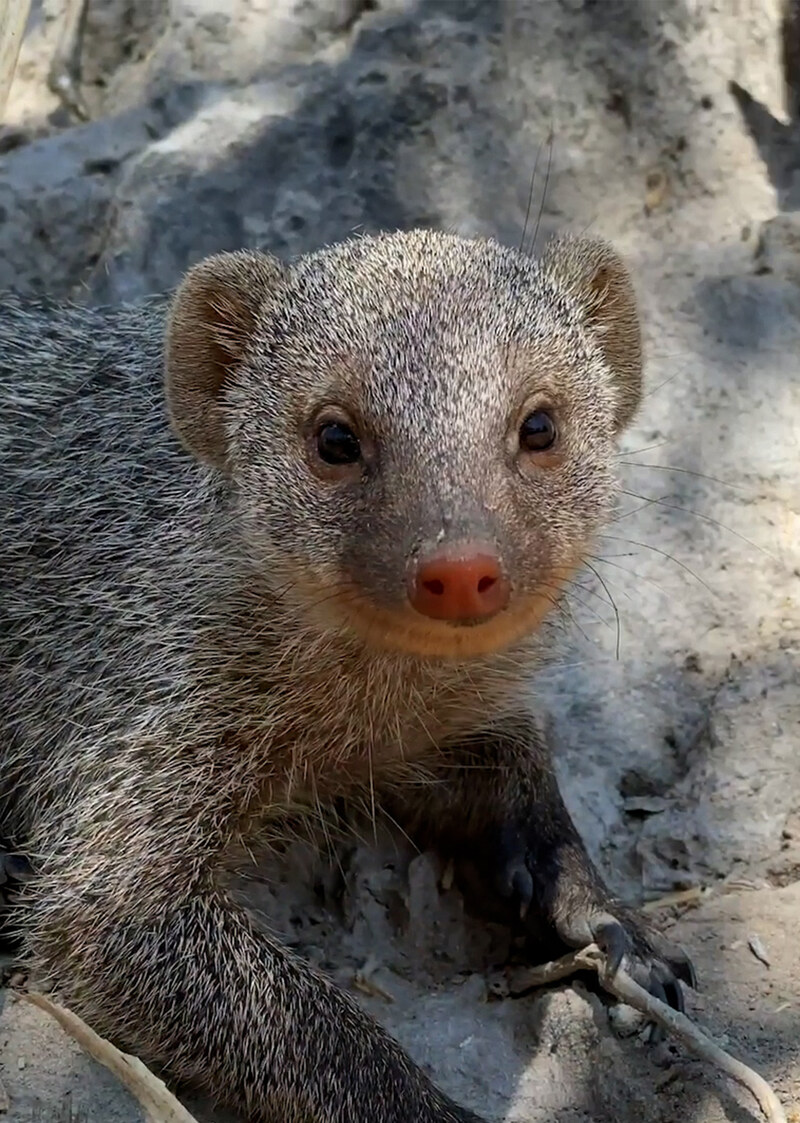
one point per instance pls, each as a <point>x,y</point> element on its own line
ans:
<point>404,630</point>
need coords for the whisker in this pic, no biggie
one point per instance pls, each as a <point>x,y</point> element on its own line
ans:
<point>634,510</point>
<point>631,572</point>
<point>587,588</point>
<point>550,141</point>
<point>705,518</point>
<point>685,472</point>
<point>530,200</point>
<point>664,554</point>
<point>660,386</point>
<point>647,448</point>
<point>565,615</point>
<point>391,819</point>
<point>613,605</point>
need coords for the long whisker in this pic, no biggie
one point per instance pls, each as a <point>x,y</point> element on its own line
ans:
<point>660,386</point>
<point>530,200</point>
<point>630,572</point>
<point>634,510</point>
<point>550,140</point>
<point>705,518</point>
<point>685,472</point>
<point>613,605</point>
<point>646,448</point>
<point>663,554</point>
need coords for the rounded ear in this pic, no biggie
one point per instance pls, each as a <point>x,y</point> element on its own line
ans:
<point>593,273</point>
<point>209,327</point>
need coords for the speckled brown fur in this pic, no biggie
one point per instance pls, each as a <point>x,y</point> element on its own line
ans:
<point>198,641</point>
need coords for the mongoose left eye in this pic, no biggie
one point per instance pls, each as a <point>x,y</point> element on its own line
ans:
<point>337,444</point>
<point>537,433</point>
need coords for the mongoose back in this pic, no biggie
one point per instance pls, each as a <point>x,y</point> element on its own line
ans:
<point>288,538</point>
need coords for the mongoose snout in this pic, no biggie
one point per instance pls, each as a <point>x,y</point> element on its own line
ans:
<point>464,584</point>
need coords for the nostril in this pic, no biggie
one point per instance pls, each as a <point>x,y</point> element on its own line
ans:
<point>463,584</point>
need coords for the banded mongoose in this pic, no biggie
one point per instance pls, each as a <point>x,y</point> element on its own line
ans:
<point>328,580</point>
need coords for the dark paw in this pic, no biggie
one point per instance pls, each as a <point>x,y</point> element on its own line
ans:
<point>552,895</point>
<point>653,962</point>
<point>515,885</point>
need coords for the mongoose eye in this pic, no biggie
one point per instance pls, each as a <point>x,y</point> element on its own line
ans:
<point>337,444</point>
<point>537,433</point>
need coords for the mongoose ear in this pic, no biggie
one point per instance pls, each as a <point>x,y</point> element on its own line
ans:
<point>597,277</point>
<point>210,324</point>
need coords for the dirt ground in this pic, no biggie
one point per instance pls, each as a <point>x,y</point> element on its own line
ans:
<point>675,697</point>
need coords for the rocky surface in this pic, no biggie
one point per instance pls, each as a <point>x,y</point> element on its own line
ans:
<point>676,698</point>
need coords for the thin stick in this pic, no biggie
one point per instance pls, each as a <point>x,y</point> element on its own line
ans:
<point>623,987</point>
<point>13,18</point>
<point>159,1105</point>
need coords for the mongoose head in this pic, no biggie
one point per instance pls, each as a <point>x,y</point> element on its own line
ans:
<point>418,430</point>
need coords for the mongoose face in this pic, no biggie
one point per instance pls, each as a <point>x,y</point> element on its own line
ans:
<point>442,415</point>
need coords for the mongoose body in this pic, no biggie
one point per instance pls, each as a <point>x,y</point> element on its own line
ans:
<point>318,566</point>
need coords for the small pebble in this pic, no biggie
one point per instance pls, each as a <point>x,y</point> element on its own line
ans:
<point>625,1021</point>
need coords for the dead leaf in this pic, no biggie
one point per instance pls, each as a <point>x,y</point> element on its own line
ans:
<point>758,950</point>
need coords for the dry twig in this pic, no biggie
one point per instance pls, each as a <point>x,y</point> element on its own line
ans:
<point>158,1103</point>
<point>13,17</point>
<point>623,987</point>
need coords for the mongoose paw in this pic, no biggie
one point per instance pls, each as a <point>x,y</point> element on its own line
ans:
<point>653,962</point>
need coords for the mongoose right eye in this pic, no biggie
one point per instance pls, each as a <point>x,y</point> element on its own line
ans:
<point>337,444</point>
<point>537,433</point>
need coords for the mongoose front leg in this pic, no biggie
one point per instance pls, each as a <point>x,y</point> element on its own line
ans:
<point>495,809</point>
<point>196,987</point>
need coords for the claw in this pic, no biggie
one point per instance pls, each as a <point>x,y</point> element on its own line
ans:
<point>674,995</point>
<point>612,938</point>
<point>514,881</point>
<point>677,960</point>
<point>654,964</point>
<point>684,969</point>
<point>65,86</point>
<point>663,980</point>
<point>516,873</point>
<point>658,991</point>
<point>522,889</point>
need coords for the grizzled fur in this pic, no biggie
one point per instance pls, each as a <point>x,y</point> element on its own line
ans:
<point>193,654</point>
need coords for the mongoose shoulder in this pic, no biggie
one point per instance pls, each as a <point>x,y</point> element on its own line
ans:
<point>289,537</point>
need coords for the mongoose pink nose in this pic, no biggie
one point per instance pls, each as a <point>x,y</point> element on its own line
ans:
<point>459,585</point>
